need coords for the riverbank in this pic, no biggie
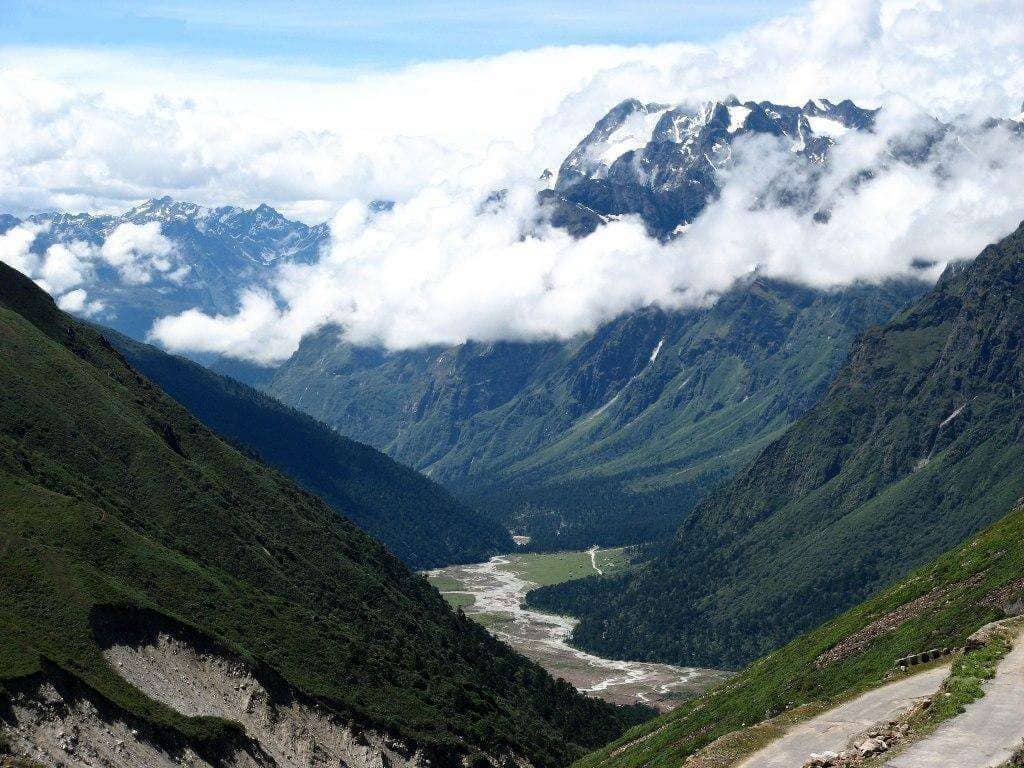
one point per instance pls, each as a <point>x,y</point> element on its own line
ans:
<point>492,593</point>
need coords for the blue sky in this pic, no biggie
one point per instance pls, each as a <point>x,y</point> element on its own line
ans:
<point>358,32</point>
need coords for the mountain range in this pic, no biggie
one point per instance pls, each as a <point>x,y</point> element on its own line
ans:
<point>194,572</point>
<point>215,253</point>
<point>611,437</point>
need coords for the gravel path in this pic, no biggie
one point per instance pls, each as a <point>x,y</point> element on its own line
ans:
<point>987,733</point>
<point>830,731</point>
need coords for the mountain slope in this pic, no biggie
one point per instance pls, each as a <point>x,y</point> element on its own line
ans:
<point>916,445</point>
<point>605,439</point>
<point>613,436</point>
<point>117,503</point>
<point>936,606</point>
<point>415,518</point>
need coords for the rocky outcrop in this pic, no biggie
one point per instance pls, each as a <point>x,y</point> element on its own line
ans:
<point>288,730</point>
<point>57,722</point>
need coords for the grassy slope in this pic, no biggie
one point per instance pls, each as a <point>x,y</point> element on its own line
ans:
<point>966,589</point>
<point>877,478</point>
<point>113,495</point>
<point>414,517</point>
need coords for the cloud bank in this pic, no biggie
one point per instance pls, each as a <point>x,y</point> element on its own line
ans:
<point>438,271</point>
<point>439,137</point>
<point>135,252</point>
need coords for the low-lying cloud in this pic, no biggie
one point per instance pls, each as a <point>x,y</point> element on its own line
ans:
<point>136,252</point>
<point>438,138</point>
<point>437,270</point>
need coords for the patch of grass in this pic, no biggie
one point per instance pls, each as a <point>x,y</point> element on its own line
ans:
<point>612,561</point>
<point>458,599</point>
<point>964,684</point>
<point>446,583</point>
<point>547,569</point>
<point>492,620</point>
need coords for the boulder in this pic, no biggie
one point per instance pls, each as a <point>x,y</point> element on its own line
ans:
<point>872,746</point>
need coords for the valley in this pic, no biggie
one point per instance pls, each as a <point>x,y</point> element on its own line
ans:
<point>492,593</point>
<point>548,406</point>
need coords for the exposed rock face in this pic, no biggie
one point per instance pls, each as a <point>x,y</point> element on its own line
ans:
<point>55,726</point>
<point>59,725</point>
<point>289,731</point>
<point>663,163</point>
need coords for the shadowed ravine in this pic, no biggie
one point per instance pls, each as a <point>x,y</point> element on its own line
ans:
<point>498,590</point>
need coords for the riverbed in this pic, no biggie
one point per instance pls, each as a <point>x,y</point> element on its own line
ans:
<point>497,589</point>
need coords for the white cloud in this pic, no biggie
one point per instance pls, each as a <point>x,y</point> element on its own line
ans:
<point>77,302</point>
<point>437,271</point>
<point>98,131</point>
<point>137,251</point>
<point>60,268</point>
<point>14,248</point>
<point>64,266</point>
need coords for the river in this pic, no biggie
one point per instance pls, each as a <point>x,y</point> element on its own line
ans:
<point>498,591</point>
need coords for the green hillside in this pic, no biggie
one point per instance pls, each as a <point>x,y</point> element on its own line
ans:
<point>916,445</point>
<point>116,501</point>
<point>416,519</point>
<point>608,438</point>
<point>937,606</point>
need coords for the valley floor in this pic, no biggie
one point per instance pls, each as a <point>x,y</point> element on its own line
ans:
<point>492,593</point>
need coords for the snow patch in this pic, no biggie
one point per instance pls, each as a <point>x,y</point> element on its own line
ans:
<point>634,133</point>
<point>952,416</point>
<point>826,126</point>
<point>657,349</point>
<point>737,117</point>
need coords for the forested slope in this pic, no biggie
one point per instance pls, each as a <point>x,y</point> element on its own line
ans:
<point>414,517</point>
<point>916,445</point>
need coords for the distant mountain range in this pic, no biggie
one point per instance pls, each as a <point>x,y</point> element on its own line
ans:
<point>217,252</point>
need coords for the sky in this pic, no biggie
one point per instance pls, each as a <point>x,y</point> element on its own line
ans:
<point>361,34</point>
<point>320,112</point>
